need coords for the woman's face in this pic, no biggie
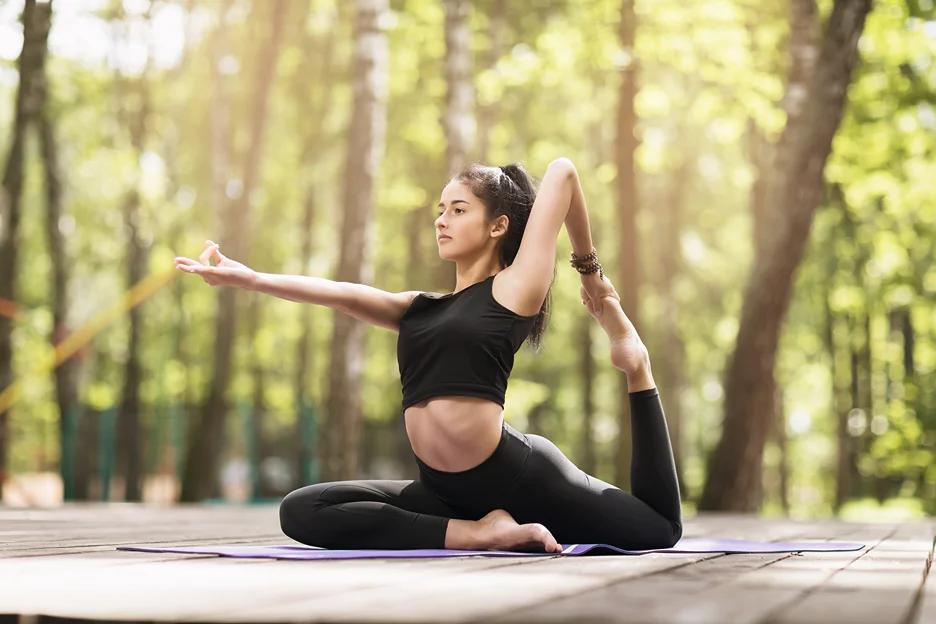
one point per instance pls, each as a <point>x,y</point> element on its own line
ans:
<point>462,228</point>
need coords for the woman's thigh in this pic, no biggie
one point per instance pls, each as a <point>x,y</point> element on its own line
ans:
<point>404,494</point>
<point>578,508</point>
<point>366,514</point>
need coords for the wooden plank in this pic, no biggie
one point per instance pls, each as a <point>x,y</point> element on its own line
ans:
<point>72,551</point>
<point>714,590</point>
<point>925,609</point>
<point>76,530</point>
<point>879,587</point>
<point>207,589</point>
<point>467,596</point>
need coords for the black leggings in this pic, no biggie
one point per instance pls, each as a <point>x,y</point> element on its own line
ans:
<point>527,475</point>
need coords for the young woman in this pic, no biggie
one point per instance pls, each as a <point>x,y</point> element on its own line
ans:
<point>482,484</point>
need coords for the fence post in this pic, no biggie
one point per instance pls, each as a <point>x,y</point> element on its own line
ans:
<point>69,446</point>
<point>106,434</point>
<point>307,438</point>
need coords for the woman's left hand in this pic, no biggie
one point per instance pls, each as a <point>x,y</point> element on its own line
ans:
<point>594,289</point>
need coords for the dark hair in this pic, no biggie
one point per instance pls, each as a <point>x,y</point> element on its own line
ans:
<point>509,191</point>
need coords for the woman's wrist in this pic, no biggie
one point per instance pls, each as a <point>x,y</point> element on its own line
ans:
<point>256,284</point>
<point>587,264</point>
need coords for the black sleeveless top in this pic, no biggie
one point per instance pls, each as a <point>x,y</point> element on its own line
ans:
<point>460,344</point>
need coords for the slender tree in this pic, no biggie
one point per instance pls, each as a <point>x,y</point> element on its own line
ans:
<point>628,262</point>
<point>135,107</point>
<point>672,363</point>
<point>458,117</point>
<point>204,451</point>
<point>488,115</point>
<point>37,21</point>
<point>314,94</point>
<point>66,373</point>
<point>366,142</point>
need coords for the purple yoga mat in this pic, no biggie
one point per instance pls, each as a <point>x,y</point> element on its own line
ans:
<point>687,545</point>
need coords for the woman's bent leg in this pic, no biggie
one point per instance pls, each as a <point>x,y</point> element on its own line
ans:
<point>653,469</point>
<point>366,514</point>
<point>580,509</point>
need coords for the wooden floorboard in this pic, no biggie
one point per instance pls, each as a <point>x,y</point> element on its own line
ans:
<point>64,563</point>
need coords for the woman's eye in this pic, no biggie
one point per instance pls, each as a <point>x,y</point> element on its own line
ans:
<point>457,210</point>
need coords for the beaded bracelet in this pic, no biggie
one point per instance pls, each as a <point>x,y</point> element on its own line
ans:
<point>587,264</point>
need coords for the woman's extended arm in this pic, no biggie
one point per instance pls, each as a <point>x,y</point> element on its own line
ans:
<point>360,301</point>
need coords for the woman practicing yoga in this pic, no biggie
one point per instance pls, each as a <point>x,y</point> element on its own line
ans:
<point>482,484</point>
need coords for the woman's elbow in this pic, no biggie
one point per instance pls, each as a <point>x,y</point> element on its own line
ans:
<point>563,165</point>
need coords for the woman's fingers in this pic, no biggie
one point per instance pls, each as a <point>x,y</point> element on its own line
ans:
<point>209,251</point>
<point>218,256</point>
<point>182,261</point>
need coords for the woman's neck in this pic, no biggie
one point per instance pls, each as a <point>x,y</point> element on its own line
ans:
<point>468,274</point>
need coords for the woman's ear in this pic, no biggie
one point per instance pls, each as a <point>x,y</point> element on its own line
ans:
<point>499,227</point>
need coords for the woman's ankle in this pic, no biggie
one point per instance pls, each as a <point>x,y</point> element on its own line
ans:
<point>463,535</point>
<point>641,379</point>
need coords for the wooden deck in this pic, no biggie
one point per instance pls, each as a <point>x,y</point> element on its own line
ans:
<point>62,563</point>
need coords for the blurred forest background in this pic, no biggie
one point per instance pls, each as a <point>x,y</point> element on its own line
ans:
<point>760,177</point>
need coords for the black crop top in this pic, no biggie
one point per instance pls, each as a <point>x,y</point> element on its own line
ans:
<point>460,344</point>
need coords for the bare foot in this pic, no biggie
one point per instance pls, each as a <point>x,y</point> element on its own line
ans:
<point>499,531</point>
<point>628,352</point>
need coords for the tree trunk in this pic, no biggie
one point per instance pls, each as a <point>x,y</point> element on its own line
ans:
<point>780,434</point>
<point>903,324</point>
<point>86,459</point>
<point>323,52</point>
<point>458,120</point>
<point>256,448</point>
<point>629,270</point>
<point>204,452</point>
<point>844,456</point>
<point>794,191</point>
<point>862,392</point>
<point>415,271</point>
<point>129,451</point>
<point>178,335</point>
<point>673,361</point>
<point>37,20</point>
<point>220,117</point>
<point>589,461</point>
<point>844,378</point>
<point>488,114</point>
<point>366,137</point>
<point>66,373</point>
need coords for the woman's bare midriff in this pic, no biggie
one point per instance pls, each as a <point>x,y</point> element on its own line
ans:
<point>454,433</point>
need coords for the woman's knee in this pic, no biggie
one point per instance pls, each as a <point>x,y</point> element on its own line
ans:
<point>296,509</point>
<point>675,533</point>
<point>664,535</point>
<point>656,535</point>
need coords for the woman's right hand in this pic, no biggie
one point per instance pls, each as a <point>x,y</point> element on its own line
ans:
<point>226,272</point>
